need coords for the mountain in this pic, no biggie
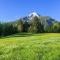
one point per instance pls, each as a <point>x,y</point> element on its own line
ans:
<point>34,23</point>
<point>45,20</point>
<point>30,16</point>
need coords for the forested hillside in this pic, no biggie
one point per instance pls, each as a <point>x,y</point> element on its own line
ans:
<point>33,23</point>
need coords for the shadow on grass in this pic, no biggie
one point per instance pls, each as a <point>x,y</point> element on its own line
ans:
<point>19,35</point>
<point>22,35</point>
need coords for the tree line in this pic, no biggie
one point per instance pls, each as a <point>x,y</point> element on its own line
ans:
<point>33,26</point>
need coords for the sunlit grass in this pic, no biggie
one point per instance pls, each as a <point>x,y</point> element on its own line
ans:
<point>30,47</point>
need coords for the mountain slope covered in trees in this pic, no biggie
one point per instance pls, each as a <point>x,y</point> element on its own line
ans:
<point>32,23</point>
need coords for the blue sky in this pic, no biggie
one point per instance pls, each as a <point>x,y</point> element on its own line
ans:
<point>10,10</point>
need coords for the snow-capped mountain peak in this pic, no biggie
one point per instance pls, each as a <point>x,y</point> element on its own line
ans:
<point>33,14</point>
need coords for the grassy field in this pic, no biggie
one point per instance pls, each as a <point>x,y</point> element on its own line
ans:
<point>30,47</point>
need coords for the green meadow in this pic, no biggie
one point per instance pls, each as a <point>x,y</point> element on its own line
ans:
<point>27,46</point>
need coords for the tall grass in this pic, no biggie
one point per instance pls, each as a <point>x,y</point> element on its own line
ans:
<point>30,47</point>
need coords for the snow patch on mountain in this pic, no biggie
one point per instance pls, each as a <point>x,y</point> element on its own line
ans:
<point>33,14</point>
